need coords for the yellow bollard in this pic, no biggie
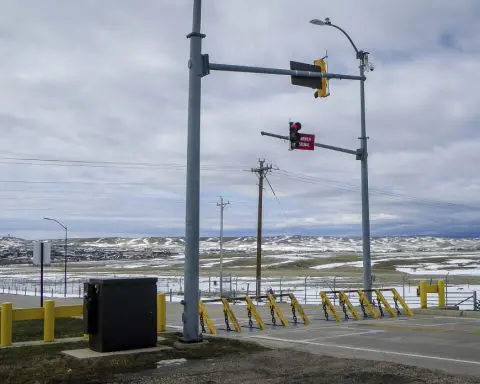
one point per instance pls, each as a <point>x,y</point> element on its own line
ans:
<point>423,294</point>
<point>441,294</point>
<point>6,325</point>
<point>161,313</point>
<point>49,321</point>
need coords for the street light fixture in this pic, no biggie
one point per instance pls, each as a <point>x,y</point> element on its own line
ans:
<point>364,66</point>
<point>317,22</point>
<point>65,250</point>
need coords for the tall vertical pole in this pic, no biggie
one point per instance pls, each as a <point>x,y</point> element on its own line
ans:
<point>65,251</point>
<point>367,264</point>
<point>259,230</point>
<point>261,171</point>
<point>41,274</point>
<point>222,206</point>
<point>221,246</point>
<point>192,219</point>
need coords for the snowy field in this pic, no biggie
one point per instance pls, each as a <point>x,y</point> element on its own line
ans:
<point>409,257</point>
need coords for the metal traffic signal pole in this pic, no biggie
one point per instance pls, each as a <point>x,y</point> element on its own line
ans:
<point>199,66</point>
<point>192,218</point>
<point>359,153</point>
<point>362,56</point>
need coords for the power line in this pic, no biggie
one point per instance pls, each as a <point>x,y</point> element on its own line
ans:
<point>376,191</point>
<point>106,164</point>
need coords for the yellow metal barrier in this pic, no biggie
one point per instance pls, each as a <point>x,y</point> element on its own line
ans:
<point>327,304</point>
<point>366,304</point>
<point>6,325</point>
<point>253,311</point>
<point>205,318</point>
<point>69,311</point>
<point>20,314</point>
<point>344,298</point>
<point>49,321</point>
<point>397,297</point>
<point>161,313</point>
<point>425,288</point>
<point>48,314</point>
<point>381,299</point>
<point>227,310</point>
<point>275,309</point>
<point>297,307</point>
<point>441,294</point>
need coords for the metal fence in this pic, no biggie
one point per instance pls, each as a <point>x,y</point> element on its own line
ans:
<point>306,289</point>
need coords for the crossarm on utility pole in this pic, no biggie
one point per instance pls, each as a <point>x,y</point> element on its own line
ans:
<point>331,147</point>
<point>278,71</point>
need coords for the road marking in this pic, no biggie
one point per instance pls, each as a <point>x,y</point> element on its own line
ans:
<point>370,350</point>
<point>457,318</point>
<point>422,328</point>
<point>344,335</point>
<point>288,331</point>
<point>435,325</point>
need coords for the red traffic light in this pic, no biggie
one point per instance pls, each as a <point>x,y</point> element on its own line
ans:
<point>297,126</point>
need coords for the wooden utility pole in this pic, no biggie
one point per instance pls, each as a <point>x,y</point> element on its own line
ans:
<point>222,206</point>
<point>261,171</point>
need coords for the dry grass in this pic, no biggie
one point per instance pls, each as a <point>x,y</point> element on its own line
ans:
<point>45,363</point>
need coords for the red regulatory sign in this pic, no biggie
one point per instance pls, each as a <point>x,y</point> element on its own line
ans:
<point>307,142</point>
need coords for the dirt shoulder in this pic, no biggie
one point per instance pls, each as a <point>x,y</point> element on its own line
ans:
<point>287,366</point>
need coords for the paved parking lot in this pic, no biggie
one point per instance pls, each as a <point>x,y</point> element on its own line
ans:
<point>438,342</point>
<point>448,343</point>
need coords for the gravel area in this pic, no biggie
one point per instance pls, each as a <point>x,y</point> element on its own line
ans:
<point>288,366</point>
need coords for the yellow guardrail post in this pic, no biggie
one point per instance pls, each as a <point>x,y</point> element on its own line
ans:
<point>49,321</point>
<point>399,298</point>
<point>204,318</point>
<point>423,294</point>
<point>275,308</point>
<point>343,297</point>
<point>296,306</point>
<point>441,293</point>
<point>6,325</point>
<point>327,304</point>
<point>161,313</point>
<point>366,303</point>
<point>387,306</point>
<point>228,311</point>
<point>253,311</point>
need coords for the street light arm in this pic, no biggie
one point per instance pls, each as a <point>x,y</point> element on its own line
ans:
<point>58,222</point>
<point>348,37</point>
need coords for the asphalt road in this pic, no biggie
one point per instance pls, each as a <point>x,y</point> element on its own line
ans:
<point>21,301</point>
<point>448,343</point>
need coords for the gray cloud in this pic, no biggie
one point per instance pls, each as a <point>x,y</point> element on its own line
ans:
<point>108,82</point>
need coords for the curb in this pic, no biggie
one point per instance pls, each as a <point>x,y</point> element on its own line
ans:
<point>447,312</point>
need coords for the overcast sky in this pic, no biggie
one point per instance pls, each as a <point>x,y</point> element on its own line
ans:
<point>106,81</point>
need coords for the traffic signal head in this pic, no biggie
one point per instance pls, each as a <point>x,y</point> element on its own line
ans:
<point>324,90</point>
<point>294,135</point>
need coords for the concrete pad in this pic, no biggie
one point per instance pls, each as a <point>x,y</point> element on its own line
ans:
<point>180,345</point>
<point>447,313</point>
<point>86,353</point>
<point>41,342</point>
